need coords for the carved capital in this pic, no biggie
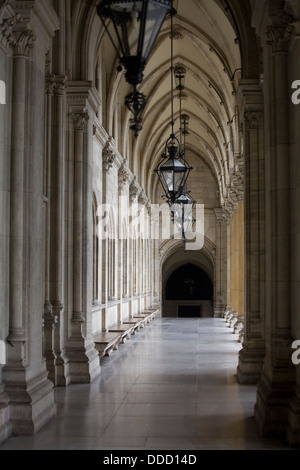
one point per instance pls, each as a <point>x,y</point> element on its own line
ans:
<point>133,190</point>
<point>253,119</point>
<point>21,38</point>
<point>222,216</point>
<point>50,85</point>
<point>60,85</point>
<point>24,42</point>
<point>80,120</point>
<point>237,188</point>
<point>124,174</point>
<point>143,199</point>
<point>108,156</point>
<point>7,36</point>
<point>280,32</point>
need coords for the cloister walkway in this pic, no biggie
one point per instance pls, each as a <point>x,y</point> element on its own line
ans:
<point>172,386</point>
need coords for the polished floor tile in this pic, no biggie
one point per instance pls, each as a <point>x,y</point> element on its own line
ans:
<point>172,386</point>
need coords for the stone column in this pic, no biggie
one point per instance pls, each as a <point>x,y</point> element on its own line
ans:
<point>30,392</point>
<point>133,194</point>
<point>252,355</point>
<point>49,318</point>
<point>222,267</point>
<point>108,159</point>
<point>5,109</point>
<point>57,228</point>
<point>142,201</point>
<point>278,376</point>
<point>123,273</point>
<point>83,358</point>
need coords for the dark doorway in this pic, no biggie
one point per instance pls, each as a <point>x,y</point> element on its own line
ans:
<point>189,311</point>
<point>189,282</point>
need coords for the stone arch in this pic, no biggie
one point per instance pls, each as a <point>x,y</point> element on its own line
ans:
<point>239,14</point>
<point>178,259</point>
<point>174,255</point>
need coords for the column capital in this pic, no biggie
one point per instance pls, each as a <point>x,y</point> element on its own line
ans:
<point>280,31</point>
<point>108,155</point>
<point>15,32</point>
<point>124,174</point>
<point>133,190</point>
<point>80,120</point>
<point>252,118</point>
<point>223,215</point>
<point>60,84</point>
<point>143,198</point>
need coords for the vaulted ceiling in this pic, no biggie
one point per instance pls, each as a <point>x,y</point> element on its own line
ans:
<point>213,43</point>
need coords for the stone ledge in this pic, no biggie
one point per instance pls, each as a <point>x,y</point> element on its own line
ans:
<point>107,342</point>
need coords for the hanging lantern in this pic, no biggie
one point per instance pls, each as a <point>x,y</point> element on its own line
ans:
<point>173,171</point>
<point>135,27</point>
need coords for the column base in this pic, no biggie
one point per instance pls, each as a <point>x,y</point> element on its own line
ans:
<point>250,365</point>
<point>31,404</point>
<point>219,312</point>
<point>62,375</point>
<point>5,422</point>
<point>84,362</point>
<point>272,406</point>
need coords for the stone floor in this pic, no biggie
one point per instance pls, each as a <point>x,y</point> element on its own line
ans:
<point>172,386</point>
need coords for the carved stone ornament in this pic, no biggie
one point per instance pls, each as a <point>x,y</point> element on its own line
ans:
<point>253,119</point>
<point>177,34</point>
<point>80,120</point>
<point>124,174</point>
<point>60,85</point>
<point>108,156</point>
<point>133,190</point>
<point>50,85</point>
<point>280,32</point>
<point>143,198</point>
<point>21,40</point>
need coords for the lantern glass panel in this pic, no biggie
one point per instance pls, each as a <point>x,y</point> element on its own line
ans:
<point>155,16</point>
<point>173,172</point>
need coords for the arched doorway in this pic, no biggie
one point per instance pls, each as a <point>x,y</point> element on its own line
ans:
<point>188,283</point>
<point>189,293</point>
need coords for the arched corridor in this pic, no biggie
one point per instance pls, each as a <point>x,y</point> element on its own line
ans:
<point>171,387</point>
